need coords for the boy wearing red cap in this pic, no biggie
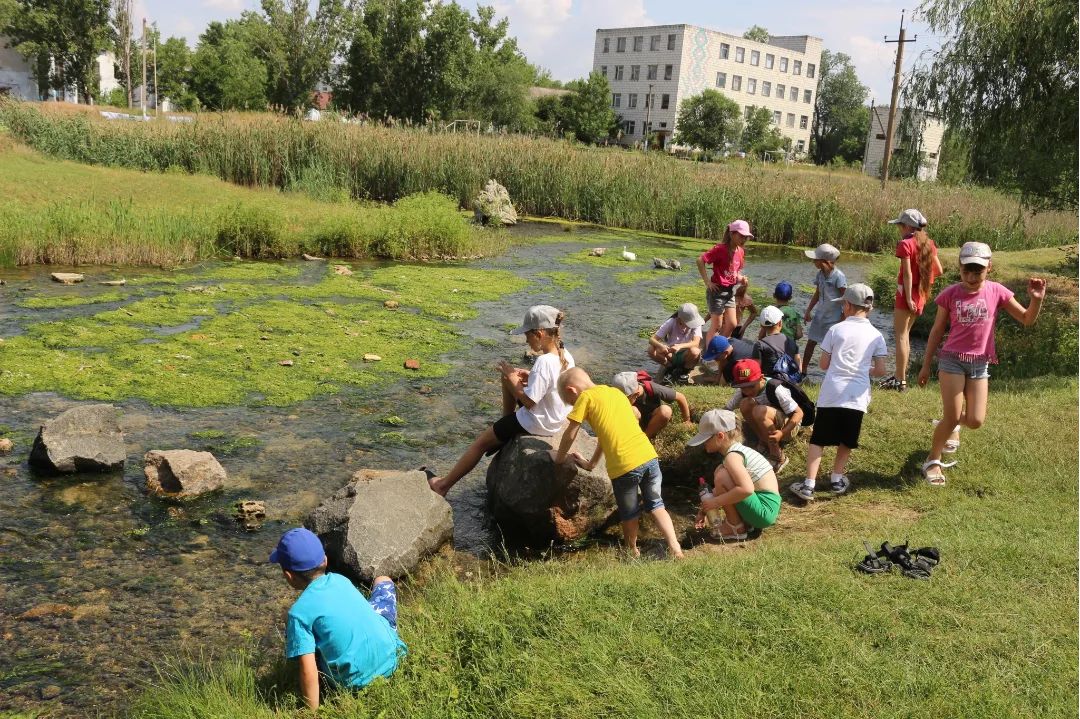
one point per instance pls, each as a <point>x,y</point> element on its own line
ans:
<point>768,408</point>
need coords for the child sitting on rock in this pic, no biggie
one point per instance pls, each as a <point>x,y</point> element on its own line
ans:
<point>332,630</point>
<point>744,484</point>
<point>651,402</point>
<point>632,463</point>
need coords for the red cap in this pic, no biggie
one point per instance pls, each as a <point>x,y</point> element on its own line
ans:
<point>746,372</point>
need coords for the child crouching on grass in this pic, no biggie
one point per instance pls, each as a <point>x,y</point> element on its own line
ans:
<point>744,485</point>
<point>632,463</point>
<point>332,630</point>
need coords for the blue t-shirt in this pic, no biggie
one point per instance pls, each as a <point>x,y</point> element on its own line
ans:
<point>354,644</point>
<point>830,287</point>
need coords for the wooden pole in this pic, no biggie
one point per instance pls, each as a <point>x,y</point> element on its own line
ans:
<point>142,95</point>
<point>895,98</point>
<point>157,99</point>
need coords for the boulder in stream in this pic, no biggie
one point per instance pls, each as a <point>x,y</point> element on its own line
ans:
<point>538,502</point>
<point>67,278</point>
<point>182,473</point>
<point>382,522</point>
<point>86,438</point>
<point>493,207</point>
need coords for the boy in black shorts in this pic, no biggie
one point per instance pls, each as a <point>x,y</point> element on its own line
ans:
<point>651,402</point>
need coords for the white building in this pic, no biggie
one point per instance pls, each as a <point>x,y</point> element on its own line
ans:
<point>913,130</point>
<point>17,75</point>
<point>679,61</point>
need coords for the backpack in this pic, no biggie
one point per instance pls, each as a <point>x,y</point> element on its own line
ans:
<point>797,394</point>
<point>645,380</point>
<point>775,363</point>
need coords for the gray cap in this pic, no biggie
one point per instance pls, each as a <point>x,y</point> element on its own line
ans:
<point>911,218</point>
<point>823,252</point>
<point>688,314</point>
<point>538,317</point>
<point>627,382</point>
<point>975,253</point>
<point>859,295</point>
<point>771,316</point>
<point>712,423</point>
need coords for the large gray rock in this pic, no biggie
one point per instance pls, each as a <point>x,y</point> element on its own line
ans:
<point>82,439</point>
<point>182,473</point>
<point>493,207</point>
<point>382,522</point>
<point>538,502</point>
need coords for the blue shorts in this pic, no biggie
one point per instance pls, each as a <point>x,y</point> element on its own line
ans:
<point>647,479</point>
<point>383,600</point>
<point>979,369</point>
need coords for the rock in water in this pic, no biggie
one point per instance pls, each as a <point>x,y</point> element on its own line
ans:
<point>597,252</point>
<point>312,258</point>
<point>537,502</point>
<point>82,439</point>
<point>113,283</point>
<point>382,522</point>
<point>493,207</point>
<point>6,445</point>
<point>67,278</point>
<point>182,473</point>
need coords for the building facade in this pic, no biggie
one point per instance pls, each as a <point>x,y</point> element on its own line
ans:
<point>914,131</point>
<point>680,61</point>
<point>17,76</point>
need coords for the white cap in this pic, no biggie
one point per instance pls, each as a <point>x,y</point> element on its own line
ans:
<point>538,317</point>
<point>911,218</point>
<point>975,253</point>
<point>627,382</point>
<point>688,314</point>
<point>712,423</point>
<point>858,294</point>
<point>771,316</point>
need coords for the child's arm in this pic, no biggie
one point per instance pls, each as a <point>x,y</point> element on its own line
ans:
<point>826,358</point>
<point>939,270</point>
<point>941,320</point>
<point>684,406</point>
<point>595,460</point>
<point>558,456</point>
<point>518,380</point>
<point>810,307</point>
<point>798,330</point>
<point>743,488</point>
<point>309,680</point>
<point>878,368</point>
<point>905,268</point>
<point>1027,317</point>
<point>709,284</point>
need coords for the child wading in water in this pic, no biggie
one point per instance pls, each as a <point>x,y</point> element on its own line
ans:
<point>919,267</point>
<point>727,262</point>
<point>829,286</point>
<point>531,402</point>
<point>968,310</point>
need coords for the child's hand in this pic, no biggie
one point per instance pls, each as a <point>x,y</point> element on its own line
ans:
<point>701,520</point>
<point>1037,288</point>
<point>807,316</point>
<point>776,435</point>
<point>924,376</point>
<point>912,305</point>
<point>554,453</point>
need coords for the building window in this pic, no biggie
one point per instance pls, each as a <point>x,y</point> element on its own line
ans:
<point>806,95</point>
<point>654,43</point>
<point>664,124</point>
<point>776,117</point>
<point>932,155</point>
<point>880,136</point>
<point>791,119</point>
<point>769,61</point>
<point>747,112</point>
<point>635,72</point>
<point>629,127</point>
<point>766,89</point>
<point>671,42</point>
<point>794,96</point>
<point>650,100</point>
<point>803,121</point>
<point>783,64</point>
<point>810,70</point>
<point>607,44</point>
<point>721,79</point>
<point>603,70</point>
<point>725,50</point>
<point>781,90</point>
<point>639,43</point>
<point>736,82</point>
<point>796,67</point>
<point>618,72</point>
<point>740,54</point>
<point>801,145</point>
<point>616,100</point>
<point>652,71</point>
<point>667,71</point>
<point>751,85</point>
<point>665,101</point>
<point>620,44</point>
<point>755,57</point>
<point>631,100</point>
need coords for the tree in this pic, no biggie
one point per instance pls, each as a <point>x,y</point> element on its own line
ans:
<point>298,47</point>
<point>1006,77</point>
<point>841,118</point>
<point>954,161</point>
<point>174,73</point>
<point>122,29</point>
<point>226,74</point>
<point>756,33</point>
<point>760,134</point>
<point>586,111</point>
<point>710,121</point>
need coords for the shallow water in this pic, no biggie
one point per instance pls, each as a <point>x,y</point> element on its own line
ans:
<point>132,583</point>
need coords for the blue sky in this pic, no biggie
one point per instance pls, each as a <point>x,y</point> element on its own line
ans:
<point>558,34</point>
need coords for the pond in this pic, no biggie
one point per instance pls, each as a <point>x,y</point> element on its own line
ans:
<point>99,583</point>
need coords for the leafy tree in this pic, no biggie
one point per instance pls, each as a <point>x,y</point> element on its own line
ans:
<point>298,47</point>
<point>841,118</point>
<point>174,60</point>
<point>756,33</point>
<point>226,73</point>
<point>1006,77</point>
<point>122,30</point>
<point>710,121</point>
<point>954,159</point>
<point>586,111</point>
<point>500,76</point>
<point>760,134</point>
<point>449,55</point>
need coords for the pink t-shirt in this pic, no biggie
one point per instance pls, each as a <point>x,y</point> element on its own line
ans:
<point>972,316</point>
<point>725,264</point>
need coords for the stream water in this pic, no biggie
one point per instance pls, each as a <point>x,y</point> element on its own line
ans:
<point>99,584</point>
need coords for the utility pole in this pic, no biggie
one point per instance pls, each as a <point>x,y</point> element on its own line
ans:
<point>157,100</point>
<point>648,115</point>
<point>895,98</point>
<point>142,95</point>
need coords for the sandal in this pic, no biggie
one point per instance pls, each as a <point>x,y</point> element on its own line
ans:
<point>872,563</point>
<point>733,536</point>
<point>931,471</point>
<point>912,567</point>
<point>951,445</point>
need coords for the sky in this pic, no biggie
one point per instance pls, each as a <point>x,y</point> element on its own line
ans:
<point>558,34</point>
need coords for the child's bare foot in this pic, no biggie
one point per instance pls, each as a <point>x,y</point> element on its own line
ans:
<point>676,552</point>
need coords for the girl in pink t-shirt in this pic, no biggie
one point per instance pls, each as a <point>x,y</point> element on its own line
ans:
<point>968,310</point>
<point>727,260</point>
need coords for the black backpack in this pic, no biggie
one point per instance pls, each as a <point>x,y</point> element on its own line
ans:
<point>797,394</point>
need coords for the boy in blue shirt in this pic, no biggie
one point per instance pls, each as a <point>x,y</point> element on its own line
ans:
<point>331,628</point>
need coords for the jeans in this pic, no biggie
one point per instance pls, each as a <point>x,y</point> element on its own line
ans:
<point>647,479</point>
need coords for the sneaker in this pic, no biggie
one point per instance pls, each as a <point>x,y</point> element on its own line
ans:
<point>800,490</point>
<point>841,486</point>
<point>893,383</point>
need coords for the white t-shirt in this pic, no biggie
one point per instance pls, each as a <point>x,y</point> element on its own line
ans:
<point>852,345</point>
<point>671,333</point>
<point>548,415</point>
<point>783,398</point>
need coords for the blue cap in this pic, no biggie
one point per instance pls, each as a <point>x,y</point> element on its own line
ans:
<point>298,550</point>
<point>783,291</point>
<point>718,346</point>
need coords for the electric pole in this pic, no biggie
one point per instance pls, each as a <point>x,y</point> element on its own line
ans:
<point>648,115</point>
<point>157,100</point>
<point>142,95</point>
<point>895,98</point>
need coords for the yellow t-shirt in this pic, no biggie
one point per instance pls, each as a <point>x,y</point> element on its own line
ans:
<point>609,414</point>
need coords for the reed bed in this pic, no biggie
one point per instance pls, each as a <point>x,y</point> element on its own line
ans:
<point>653,193</point>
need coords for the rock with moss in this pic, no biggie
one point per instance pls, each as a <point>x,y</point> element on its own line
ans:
<point>382,522</point>
<point>538,502</point>
<point>182,473</point>
<point>82,439</point>
<point>493,207</point>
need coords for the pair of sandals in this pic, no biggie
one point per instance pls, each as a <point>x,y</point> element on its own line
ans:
<point>913,563</point>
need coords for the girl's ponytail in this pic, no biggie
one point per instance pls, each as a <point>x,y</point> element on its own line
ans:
<point>924,255</point>
<point>727,237</point>
<point>558,339</point>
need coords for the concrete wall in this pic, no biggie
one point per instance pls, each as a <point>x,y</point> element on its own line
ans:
<point>16,75</point>
<point>928,134</point>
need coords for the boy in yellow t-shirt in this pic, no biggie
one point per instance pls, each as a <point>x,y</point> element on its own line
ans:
<point>631,460</point>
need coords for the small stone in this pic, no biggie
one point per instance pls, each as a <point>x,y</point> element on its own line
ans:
<point>293,416</point>
<point>10,471</point>
<point>313,258</point>
<point>175,513</point>
<point>182,473</point>
<point>372,358</point>
<point>250,513</point>
<point>6,445</point>
<point>286,363</point>
<point>50,691</point>
<point>391,304</point>
<point>67,278</point>
<point>113,283</point>
<point>597,252</point>
<point>426,390</point>
<point>296,353</point>
<point>412,364</point>
<point>342,270</point>
<point>264,338</point>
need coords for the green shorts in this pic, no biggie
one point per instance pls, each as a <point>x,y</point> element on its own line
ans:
<point>760,509</point>
<point>678,359</point>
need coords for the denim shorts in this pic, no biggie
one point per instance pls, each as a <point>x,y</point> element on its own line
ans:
<point>646,478</point>
<point>721,299</point>
<point>979,369</point>
<point>383,600</point>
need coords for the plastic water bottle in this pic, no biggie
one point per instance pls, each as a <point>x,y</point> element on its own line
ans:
<point>712,515</point>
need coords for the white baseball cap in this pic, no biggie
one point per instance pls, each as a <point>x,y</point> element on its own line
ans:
<point>771,316</point>
<point>627,382</point>
<point>823,252</point>
<point>538,317</point>
<point>712,423</point>
<point>858,294</point>
<point>911,218</point>
<point>975,253</point>
<point>688,314</point>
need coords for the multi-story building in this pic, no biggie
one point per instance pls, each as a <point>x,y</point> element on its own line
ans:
<point>17,76</point>
<point>652,69</point>
<point>914,131</point>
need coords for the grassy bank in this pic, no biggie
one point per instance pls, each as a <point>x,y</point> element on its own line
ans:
<point>779,627</point>
<point>652,193</point>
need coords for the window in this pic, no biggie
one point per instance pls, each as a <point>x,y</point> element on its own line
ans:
<point>781,91</point>
<point>620,44</point>
<point>635,72</point>
<point>629,127</point>
<point>650,100</point>
<point>806,95</point>
<point>667,72</point>
<point>665,101</point>
<point>755,57</point>
<point>618,72</point>
<point>810,70</point>
<point>607,44</point>
<point>603,70</point>
<point>747,112</point>
<point>725,49</point>
<point>664,124</point>
<point>794,96</point>
<point>783,64</point>
<point>776,117</point>
<point>652,71</point>
<point>751,85</point>
<point>616,100</point>
<point>721,79</point>
<point>803,120</point>
<point>766,89</point>
<point>801,146</point>
<point>796,67</point>
<point>671,42</point>
<point>736,82</point>
<point>791,119</point>
<point>654,43</point>
<point>740,54</point>
<point>639,43</point>
<point>880,136</point>
<point>631,100</point>
<point>769,61</point>
<point>932,155</point>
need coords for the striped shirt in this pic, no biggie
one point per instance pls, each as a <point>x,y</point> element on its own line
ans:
<point>756,464</point>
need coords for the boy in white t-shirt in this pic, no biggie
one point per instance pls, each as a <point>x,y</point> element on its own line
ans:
<point>853,351</point>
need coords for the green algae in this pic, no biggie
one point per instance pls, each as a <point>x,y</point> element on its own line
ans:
<point>568,281</point>
<point>48,303</point>
<point>635,276</point>
<point>674,296</point>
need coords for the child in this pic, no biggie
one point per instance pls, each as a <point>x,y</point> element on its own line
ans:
<point>332,630</point>
<point>651,402</point>
<point>852,352</point>
<point>531,402</point>
<point>745,309</point>
<point>969,310</point>
<point>727,262</point>
<point>829,286</point>
<point>793,321</point>
<point>676,346</point>
<point>745,485</point>
<point>631,460</point>
<point>720,356</point>
<point>919,267</point>
<point>772,411</point>
<point>774,348</point>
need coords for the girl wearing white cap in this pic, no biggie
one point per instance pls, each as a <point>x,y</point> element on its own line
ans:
<point>727,260</point>
<point>676,346</point>
<point>968,310</point>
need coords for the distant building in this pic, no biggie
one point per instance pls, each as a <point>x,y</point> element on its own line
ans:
<point>151,100</point>
<point>913,131</point>
<point>680,61</point>
<point>17,76</point>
